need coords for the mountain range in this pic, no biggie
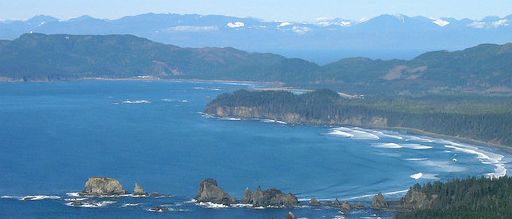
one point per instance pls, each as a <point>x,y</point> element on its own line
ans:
<point>322,41</point>
<point>486,68</point>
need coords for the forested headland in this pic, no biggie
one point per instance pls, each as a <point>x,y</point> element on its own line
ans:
<point>460,199</point>
<point>481,118</point>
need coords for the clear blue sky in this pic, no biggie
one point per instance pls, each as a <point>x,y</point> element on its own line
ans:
<point>290,10</point>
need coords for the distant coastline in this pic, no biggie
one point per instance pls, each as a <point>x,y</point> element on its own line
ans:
<point>277,85</point>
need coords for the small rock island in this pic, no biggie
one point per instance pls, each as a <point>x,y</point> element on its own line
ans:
<point>139,191</point>
<point>209,191</point>
<point>270,197</point>
<point>103,186</point>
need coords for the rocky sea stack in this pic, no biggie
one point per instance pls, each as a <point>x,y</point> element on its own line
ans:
<point>98,186</point>
<point>314,202</point>
<point>138,191</point>
<point>379,202</point>
<point>209,191</point>
<point>270,197</point>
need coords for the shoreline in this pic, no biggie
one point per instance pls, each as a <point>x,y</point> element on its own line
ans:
<point>145,78</point>
<point>278,86</point>
<point>476,142</point>
<point>403,130</point>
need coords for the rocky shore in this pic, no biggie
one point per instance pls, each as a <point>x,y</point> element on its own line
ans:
<point>210,193</point>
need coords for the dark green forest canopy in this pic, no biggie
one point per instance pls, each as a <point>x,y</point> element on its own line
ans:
<point>484,69</point>
<point>466,198</point>
<point>476,117</point>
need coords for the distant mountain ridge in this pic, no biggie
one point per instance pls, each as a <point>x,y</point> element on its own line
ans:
<point>486,68</point>
<point>325,40</point>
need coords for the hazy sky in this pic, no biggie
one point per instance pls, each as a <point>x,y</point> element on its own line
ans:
<point>291,10</point>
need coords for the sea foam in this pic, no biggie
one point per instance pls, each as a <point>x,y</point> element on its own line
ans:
<point>211,205</point>
<point>353,133</point>
<point>90,204</point>
<point>485,157</point>
<point>31,197</point>
<point>135,102</point>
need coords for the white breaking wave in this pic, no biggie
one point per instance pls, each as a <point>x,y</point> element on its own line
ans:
<point>416,138</point>
<point>353,133</point>
<point>241,205</point>
<point>75,199</point>
<point>211,205</point>
<point>371,195</point>
<point>417,146</point>
<point>416,159</point>
<point>387,145</point>
<point>173,100</point>
<point>73,194</point>
<point>136,102</point>
<point>206,115</point>
<point>230,119</point>
<point>396,146</point>
<point>273,121</point>
<point>130,205</point>
<point>424,176</point>
<point>386,135</point>
<point>90,204</point>
<point>444,166</point>
<point>206,88</point>
<point>485,157</point>
<point>416,176</point>
<point>31,197</point>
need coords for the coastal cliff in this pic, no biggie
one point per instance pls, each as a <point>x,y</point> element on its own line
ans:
<point>469,119</point>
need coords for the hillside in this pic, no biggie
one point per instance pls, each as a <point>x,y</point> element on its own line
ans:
<point>323,40</point>
<point>64,57</point>
<point>482,69</point>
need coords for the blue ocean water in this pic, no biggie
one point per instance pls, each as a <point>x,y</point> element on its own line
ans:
<point>53,136</point>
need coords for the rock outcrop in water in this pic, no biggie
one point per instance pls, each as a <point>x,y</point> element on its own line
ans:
<point>379,202</point>
<point>314,202</point>
<point>98,186</point>
<point>209,191</point>
<point>345,207</point>
<point>138,190</point>
<point>270,197</point>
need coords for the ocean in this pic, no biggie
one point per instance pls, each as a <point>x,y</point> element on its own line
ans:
<point>53,136</point>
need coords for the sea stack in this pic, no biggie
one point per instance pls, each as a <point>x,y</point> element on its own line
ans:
<point>138,191</point>
<point>270,198</point>
<point>345,207</point>
<point>379,202</point>
<point>314,202</point>
<point>99,186</point>
<point>209,191</point>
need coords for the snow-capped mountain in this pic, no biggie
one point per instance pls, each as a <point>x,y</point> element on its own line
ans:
<point>324,40</point>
